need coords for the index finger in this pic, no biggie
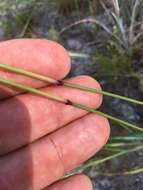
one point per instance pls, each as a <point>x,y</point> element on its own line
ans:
<point>37,55</point>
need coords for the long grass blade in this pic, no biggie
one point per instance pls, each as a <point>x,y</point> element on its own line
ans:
<point>23,72</point>
<point>100,161</point>
<point>67,84</point>
<point>108,116</point>
<point>94,21</point>
<point>31,90</point>
<point>78,55</point>
<point>93,90</point>
<point>66,102</point>
<point>116,7</point>
<point>111,174</point>
<point>133,17</point>
<point>120,144</point>
<point>135,137</point>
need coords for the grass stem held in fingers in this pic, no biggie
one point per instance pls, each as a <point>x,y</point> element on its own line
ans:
<point>66,102</point>
<point>93,90</point>
<point>31,90</point>
<point>120,121</point>
<point>30,74</point>
<point>67,84</point>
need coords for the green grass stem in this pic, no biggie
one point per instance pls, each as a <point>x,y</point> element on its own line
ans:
<point>65,83</point>
<point>108,116</point>
<point>67,102</point>
<point>31,90</point>
<point>100,161</point>
<point>112,174</point>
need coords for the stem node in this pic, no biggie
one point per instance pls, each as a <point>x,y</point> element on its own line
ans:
<point>59,83</point>
<point>68,102</point>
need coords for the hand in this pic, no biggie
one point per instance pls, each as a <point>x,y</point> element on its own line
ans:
<point>41,140</point>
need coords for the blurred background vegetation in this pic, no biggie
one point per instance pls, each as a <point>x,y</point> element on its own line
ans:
<point>105,40</point>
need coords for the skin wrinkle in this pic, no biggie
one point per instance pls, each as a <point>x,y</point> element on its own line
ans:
<point>58,153</point>
<point>89,130</point>
<point>57,160</point>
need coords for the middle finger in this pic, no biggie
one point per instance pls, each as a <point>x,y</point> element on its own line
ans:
<point>26,118</point>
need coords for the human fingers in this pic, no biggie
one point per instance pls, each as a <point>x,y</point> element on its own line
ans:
<point>27,117</point>
<point>38,55</point>
<point>72,183</point>
<point>47,160</point>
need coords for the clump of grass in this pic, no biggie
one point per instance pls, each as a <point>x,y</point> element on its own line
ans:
<point>123,37</point>
<point>126,30</point>
<point>16,18</point>
<point>112,64</point>
<point>118,146</point>
<point>112,154</point>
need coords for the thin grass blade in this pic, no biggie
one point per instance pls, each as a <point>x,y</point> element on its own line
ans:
<point>67,84</point>
<point>66,102</point>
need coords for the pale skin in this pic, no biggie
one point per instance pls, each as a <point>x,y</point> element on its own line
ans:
<point>41,140</point>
